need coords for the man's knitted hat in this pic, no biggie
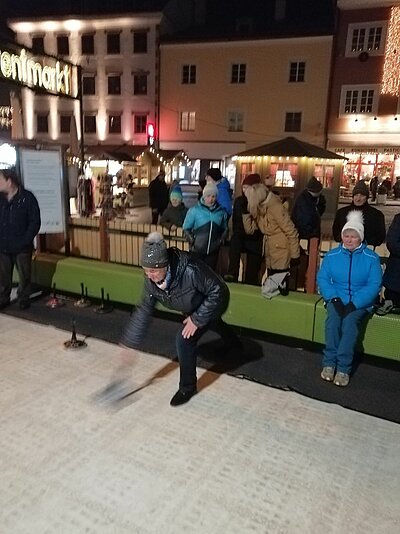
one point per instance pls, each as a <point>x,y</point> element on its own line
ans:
<point>214,173</point>
<point>314,185</point>
<point>361,188</point>
<point>154,252</point>
<point>355,221</point>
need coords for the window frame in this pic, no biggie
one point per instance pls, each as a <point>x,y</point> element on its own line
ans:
<point>63,117</point>
<point>139,117</point>
<point>111,35</point>
<point>91,77</point>
<point>91,52</point>
<point>114,115</point>
<point>366,26</point>
<point>36,39</point>
<point>189,74</point>
<point>297,118</point>
<point>187,121</point>
<point>136,83</point>
<point>239,77</point>
<point>297,76</point>
<point>62,38</point>
<point>136,47</point>
<point>359,87</point>
<point>45,117</point>
<point>86,123</point>
<point>237,113</point>
<point>115,76</point>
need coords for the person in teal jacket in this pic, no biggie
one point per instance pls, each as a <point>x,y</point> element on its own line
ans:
<point>206,226</point>
<point>349,280</point>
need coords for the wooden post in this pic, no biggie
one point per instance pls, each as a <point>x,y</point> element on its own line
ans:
<point>104,248</point>
<point>311,275</point>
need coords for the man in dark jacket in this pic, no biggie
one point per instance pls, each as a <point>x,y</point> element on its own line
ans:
<point>19,224</point>
<point>182,283</point>
<point>307,210</point>
<point>158,196</point>
<point>240,242</point>
<point>391,276</point>
<point>374,220</point>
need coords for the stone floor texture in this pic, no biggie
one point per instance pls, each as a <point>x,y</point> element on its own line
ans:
<point>238,458</point>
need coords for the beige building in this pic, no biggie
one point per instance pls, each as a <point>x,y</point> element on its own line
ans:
<point>220,98</point>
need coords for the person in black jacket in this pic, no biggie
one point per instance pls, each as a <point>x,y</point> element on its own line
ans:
<point>308,209</point>
<point>241,242</point>
<point>19,224</point>
<point>374,220</point>
<point>158,196</point>
<point>391,276</point>
<point>180,282</point>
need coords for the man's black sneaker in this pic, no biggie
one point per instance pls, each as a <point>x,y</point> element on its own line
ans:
<point>229,278</point>
<point>24,304</point>
<point>181,397</point>
<point>4,304</point>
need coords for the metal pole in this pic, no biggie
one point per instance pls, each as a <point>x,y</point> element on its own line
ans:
<point>82,143</point>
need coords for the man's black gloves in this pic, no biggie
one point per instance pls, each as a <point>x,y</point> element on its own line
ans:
<point>341,309</point>
<point>338,305</point>
<point>348,309</point>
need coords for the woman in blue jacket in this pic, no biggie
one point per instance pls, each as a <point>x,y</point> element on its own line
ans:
<point>349,280</point>
<point>205,226</point>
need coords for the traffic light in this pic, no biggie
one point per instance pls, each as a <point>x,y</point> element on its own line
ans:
<point>151,133</point>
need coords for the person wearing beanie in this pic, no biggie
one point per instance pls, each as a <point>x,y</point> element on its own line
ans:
<point>224,196</point>
<point>349,280</point>
<point>374,219</point>
<point>175,214</point>
<point>180,282</point>
<point>241,242</point>
<point>206,226</point>
<point>308,209</point>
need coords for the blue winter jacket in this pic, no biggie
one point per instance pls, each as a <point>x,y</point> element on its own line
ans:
<point>205,227</point>
<point>352,276</point>
<point>224,196</point>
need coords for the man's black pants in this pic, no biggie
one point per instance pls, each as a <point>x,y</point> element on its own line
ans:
<point>186,350</point>
<point>22,261</point>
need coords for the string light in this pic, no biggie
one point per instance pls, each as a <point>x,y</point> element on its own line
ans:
<point>391,68</point>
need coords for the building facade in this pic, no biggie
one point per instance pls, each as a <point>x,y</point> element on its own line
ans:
<point>119,59</point>
<point>364,105</point>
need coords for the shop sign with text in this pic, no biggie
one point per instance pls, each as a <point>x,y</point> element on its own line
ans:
<point>43,73</point>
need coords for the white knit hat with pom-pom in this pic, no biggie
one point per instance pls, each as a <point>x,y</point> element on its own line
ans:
<point>355,221</point>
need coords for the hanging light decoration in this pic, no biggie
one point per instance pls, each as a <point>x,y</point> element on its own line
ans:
<point>391,68</point>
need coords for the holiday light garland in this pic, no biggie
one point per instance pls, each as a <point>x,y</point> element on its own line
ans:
<point>391,68</point>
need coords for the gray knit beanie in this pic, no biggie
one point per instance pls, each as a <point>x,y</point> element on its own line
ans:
<point>154,252</point>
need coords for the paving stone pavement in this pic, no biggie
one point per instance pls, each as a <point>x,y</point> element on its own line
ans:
<point>238,458</point>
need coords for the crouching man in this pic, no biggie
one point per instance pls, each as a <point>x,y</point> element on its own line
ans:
<point>185,284</point>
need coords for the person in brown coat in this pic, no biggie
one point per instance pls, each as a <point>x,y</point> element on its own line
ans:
<point>281,239</point>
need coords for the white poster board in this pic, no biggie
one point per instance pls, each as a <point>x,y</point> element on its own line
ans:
<point>42,174</point>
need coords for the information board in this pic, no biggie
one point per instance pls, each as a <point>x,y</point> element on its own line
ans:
<point>42,174</point>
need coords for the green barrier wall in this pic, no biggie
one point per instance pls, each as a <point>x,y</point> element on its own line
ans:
<point>380,336</point>
<point>297,315</point>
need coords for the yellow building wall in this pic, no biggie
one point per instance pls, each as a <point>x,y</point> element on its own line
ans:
<point>265,97</point>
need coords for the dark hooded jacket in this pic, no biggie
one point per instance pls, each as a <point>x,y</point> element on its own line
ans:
<point>374,223</point>
<point>306,214</point>
<point>195,290</point>
<point>391,276</point>
<point>19,222</point>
